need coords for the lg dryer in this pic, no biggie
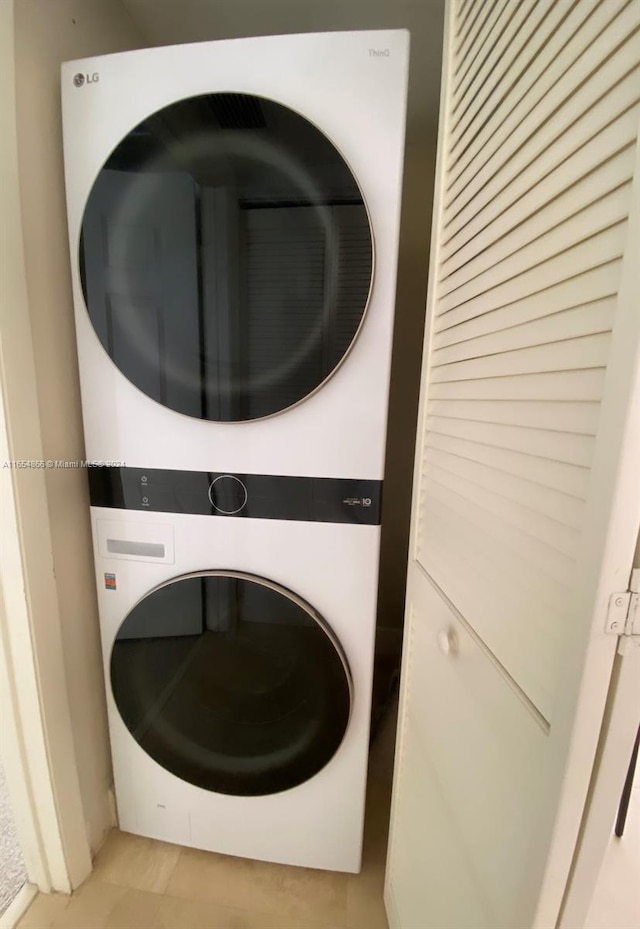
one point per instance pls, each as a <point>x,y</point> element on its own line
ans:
<point>233,223</point>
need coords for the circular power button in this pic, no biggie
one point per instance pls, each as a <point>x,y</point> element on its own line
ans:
<point>228,494</point>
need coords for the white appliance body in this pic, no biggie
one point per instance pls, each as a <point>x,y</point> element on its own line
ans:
<point>202,480</point>
<point>334,568</point>
<point>352,87</point>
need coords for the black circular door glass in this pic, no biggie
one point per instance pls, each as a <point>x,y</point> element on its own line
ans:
<point>226,257</point>
<point>231,683</point>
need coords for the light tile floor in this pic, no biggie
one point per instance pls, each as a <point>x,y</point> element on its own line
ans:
<point>138,883</point>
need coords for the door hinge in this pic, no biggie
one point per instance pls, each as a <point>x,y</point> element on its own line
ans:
<point>623,614</point>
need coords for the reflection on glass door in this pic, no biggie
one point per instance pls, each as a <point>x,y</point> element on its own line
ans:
<point>226,257</point>
<point>231,683</point>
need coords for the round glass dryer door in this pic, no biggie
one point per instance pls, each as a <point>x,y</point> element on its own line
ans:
<point>226,257</point>
<point>232,683</point>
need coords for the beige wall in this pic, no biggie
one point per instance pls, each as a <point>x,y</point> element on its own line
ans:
<point>46,33</point>
<point>36,739</point>
<point>167,22</point>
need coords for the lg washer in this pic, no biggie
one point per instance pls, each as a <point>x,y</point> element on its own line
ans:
<point>238,659</point>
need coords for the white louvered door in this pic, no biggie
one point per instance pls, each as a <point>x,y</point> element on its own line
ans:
<point>526,491</point>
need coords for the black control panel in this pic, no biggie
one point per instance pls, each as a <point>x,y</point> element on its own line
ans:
<point>255,496</point>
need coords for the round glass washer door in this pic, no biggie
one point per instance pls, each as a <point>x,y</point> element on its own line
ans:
<point>232,683</point>
<point>226,257</point>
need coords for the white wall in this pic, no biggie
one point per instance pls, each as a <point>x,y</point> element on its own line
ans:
<point>48,32</point>
<point>167,22</point>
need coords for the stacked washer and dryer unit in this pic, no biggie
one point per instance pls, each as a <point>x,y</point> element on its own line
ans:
<point>234,216</point>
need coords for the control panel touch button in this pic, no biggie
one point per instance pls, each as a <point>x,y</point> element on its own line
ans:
<point>228,494</point>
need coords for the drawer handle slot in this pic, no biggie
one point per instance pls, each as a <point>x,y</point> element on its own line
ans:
<point>124,547</point>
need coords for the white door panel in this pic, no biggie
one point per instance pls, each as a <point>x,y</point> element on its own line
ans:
<point>479,744</point>
<point>528,449</point>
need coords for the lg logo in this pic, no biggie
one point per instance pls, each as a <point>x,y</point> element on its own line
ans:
<point>80,79</point>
